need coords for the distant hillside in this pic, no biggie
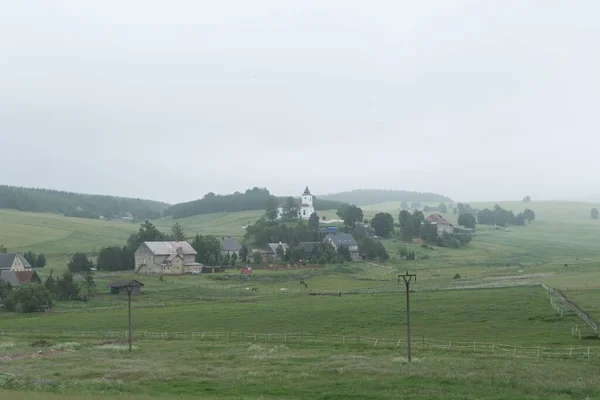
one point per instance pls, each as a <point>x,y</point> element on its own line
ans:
<point>78,205</point>
<point>252,199</point>
<point>374,196</point>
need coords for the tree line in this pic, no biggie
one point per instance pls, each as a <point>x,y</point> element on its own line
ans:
<point>251,199</point>
<point>499,216</point>
<point>374,196</point>
<point>36,261</point>
<point>77,205</point>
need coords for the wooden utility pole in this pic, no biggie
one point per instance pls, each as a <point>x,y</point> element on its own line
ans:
<point>407,279</point>
<point>129,290</point>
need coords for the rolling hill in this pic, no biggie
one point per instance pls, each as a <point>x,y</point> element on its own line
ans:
<point>373,196</point>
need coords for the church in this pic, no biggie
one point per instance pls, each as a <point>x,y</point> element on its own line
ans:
<point>306,205</point>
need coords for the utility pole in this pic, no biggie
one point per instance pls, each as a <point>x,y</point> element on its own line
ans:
<point>407,279</point>
<point>129,290</point>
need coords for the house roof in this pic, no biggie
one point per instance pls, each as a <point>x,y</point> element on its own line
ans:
<point>18,278</point>
<point>229,244</point>
<point>342,239</point>
<point>437,219</point>
<point>306,191</point>
<point>168,248</point>
<point>7,260</point>
<point>124,282</point>
<point>273,247</point>
<point>308,246</point>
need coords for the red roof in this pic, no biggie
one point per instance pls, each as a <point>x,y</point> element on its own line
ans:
<point>26,276</point>
<point>438,219</point>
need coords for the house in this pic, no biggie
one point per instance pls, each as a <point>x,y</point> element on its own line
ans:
<point>442,223</point>
<point>121,287</point>
<point>230,246</point>
<point>170,258</point>
<point>272,249</point>
<point>306,206</point>
<point>14,262</point>
<point>344,239</point>
<point>18,278</point>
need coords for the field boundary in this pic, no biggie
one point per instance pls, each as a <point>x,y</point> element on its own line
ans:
<point>489,348</point>
<point>571,305</point>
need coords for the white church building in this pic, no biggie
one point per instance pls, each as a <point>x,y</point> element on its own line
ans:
<point>306,205</point>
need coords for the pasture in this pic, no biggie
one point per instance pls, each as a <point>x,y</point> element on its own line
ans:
<point>491,333</point>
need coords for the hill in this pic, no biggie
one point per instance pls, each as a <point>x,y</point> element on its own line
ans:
<point>77,205</point>
<point>251,200</point>
<point>373,196</point>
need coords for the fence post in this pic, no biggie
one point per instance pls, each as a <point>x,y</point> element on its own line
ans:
<point>538,351</point>
<point>492,347</point>
<point>588,353</point>
<point>399,342</point>
<point>375,344</point>
<point>570,351</point>
<point>449,344</point>
<point>344,339</point>
<point>358,338</point>
<point>301,335</point>
<point>515,351</point>
<point>474,347</point>
<point>285,338</point>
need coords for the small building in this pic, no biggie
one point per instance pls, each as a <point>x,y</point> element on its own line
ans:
<point>442,224</point>
<point>271,250</point>
<point>14,262</point>
<point>230,246</point>
<point>120,286</point>
<point>344,239</point>
<point>18,278</point>
<point>166,258</point>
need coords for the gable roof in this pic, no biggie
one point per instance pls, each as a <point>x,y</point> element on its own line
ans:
<point>229,244</point>
<point>273,247</point>
<point>342,239</point>
<point>437,219</point>
<point>18,278</point>
<point>306,191</point>
<point>7,260</point>
<point>124,282</point>
<point>168,248</point>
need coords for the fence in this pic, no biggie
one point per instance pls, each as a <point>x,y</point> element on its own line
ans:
<point>560,302</point>
<point>418,344</point>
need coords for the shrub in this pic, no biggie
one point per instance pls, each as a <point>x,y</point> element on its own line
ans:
<point>457,276</point>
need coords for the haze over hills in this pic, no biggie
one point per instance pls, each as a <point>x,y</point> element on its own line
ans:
<point>374,196</point>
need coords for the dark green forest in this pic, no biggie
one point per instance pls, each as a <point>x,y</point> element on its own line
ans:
<point>78,205</point>
<point>252,199</point>
<point>373,196</point>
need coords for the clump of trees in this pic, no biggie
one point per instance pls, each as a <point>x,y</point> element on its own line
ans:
<point>36,261</point>
<point>500,217</point>
<point>350,214</point>
<point>383,224</point>
<point>467,220</point>
<point>594,213</point>
<point>372,249</point>
<point>410,224</point>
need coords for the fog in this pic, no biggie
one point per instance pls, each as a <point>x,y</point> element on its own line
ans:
<point>170,100</point>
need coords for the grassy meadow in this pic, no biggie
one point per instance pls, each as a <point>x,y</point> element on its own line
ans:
<point>491,333</point>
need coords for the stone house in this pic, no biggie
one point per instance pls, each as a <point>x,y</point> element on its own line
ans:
<point>344,239</point>
<point>166,258</point>
<point>441,223</point>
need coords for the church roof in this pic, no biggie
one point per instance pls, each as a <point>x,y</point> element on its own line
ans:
<point>306,191</point>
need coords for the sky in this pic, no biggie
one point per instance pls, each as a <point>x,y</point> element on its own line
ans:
<point>169,100</point>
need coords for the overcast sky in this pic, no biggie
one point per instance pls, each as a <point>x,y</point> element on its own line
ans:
<point>478,100</point>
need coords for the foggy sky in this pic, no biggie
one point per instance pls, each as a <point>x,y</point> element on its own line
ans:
<point>477,100</point>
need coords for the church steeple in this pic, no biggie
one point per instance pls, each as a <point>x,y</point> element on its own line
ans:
<point>306,191</point>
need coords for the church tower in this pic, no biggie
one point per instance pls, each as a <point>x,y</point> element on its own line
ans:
<point>306,208</point>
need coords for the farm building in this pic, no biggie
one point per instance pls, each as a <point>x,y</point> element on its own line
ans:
<point>230,246</point>
<point>121,286</point>
<point>344,239</point>
<point>14,262</point>
<point>442,223</point>
<point>166,258</point>
<point>271,250</point>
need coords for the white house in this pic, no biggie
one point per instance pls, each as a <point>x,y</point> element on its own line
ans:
<point>442,223</point>
<point>306,206</point>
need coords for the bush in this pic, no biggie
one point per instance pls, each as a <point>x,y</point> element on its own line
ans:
<point>29,298</point>
<point>457,276</point>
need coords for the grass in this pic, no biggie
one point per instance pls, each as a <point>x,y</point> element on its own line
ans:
<point>497,300</point>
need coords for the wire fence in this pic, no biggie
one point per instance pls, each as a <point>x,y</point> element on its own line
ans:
<point>422,343</point>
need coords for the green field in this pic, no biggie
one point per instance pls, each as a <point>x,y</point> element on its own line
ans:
<point>492,333</point>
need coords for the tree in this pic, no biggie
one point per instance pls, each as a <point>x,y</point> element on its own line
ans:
<point>519,219</point>
<point>526,199</point>
<point>485,217</point>
<point>594,213</point>
<point>467,220</point>
<point>407,230</point>
<point>208,248</point>
<point>244,253</point>
<point>351,214</point>
<point>529,215</point>
<point>404,205</point>
<point>90,284</point>
<point>429,232</point>
<point>290,209</point>
<point>280,252</point>
<point>257,257</point>
<point>79,263</point>
<point>371,249</point>
<point>313,225</point>
<point>226,260</point>
<point>234,258</point>
<point>3,249</point>
<point>68,289</point>
<point>41,261</point>
<point>271,208</point>
<point>418,219</point>
<point>31,258</point>
<point>29,298</point>
<point>383,224</point>
<point>443,208</point>
<point>404,217</point>
<point>344,253</point>
<point>455,211</point>
<point>178,234</point>
<point>415,204</point>
<point>112,259</point>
